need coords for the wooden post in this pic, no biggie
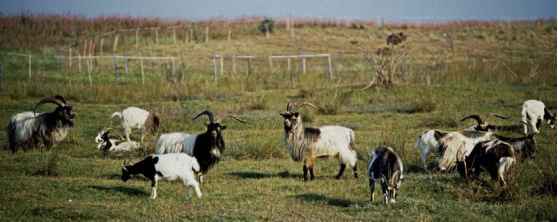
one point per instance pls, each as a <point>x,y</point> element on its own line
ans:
<point>234,64</point>
<point>101,46</point>
<point>214,67</point>
<point>142,75</point>
<point>289,64</point>
<point>126,65</point>
<point>70,59</point>
<point>116,75</point>
<point>173,68</point>
<point>137,38</point>
<point>157,35</point>
<point>191,35</point>
<point>89,75</point>
<point>174,35</point>
<point>267,30</point>
<point>329,67</point>
<point>292,29</point>
<point>229,35</point>
<point>303,65</point>
<point>222,58</point>
<point>29,67</point>
<point>207,34</point>
<point>115,45</point>
<point>79,63</point>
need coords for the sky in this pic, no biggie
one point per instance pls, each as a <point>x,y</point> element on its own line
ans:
<point>389,10</point>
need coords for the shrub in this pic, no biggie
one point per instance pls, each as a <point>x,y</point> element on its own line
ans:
<point>266,25</point>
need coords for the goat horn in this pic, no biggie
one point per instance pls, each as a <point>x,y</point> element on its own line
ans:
<point>209,115</point>
<point>500,116</point>
<point>475,117</point>
<point>61,98</point>
<point>48,100</point>
<point>308,104</point>
<point>235,118</point>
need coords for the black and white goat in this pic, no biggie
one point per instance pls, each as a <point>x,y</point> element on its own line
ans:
<point>495,156</point>
<point>206,147</point>
<point>136,118</point>
<point>107,144</point>
<point>384,164</point>
<point>37,130</point>
<point>458,144</point>
<point>534,112</point>
<point>165,167</point>
<point>524,147</point>
<point>307,144</point>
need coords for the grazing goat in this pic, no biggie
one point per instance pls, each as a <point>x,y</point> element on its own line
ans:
<point>165,167</point>
<point>307,144</point>
<point>37,130</point>
<point>534,112</point>
<point>459,144</point>
<point>427,142</point>
<point>107,144</point>
<point>386,165</point>
<point>136,118</point>
<point>206,147</point>
<point>494,155</point>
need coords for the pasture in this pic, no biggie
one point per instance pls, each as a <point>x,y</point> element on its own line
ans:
<point>489,68</point>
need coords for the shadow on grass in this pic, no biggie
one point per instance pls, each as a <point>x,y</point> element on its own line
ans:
<point>263,175</point>
<point>320,198</point>
<point>126,190</point>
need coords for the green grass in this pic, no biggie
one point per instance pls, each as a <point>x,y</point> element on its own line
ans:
<point>257,180</point>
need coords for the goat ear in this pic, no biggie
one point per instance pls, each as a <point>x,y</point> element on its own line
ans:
<point>295,114</point>
<point>223,127</point>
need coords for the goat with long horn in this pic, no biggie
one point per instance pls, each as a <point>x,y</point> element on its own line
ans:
<point>36,130</point>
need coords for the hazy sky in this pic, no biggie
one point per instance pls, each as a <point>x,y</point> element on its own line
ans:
<point>349,9</point>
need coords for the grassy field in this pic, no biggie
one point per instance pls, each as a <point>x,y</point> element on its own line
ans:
<point>492,68</point>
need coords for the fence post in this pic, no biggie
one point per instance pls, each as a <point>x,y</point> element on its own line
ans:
<point>229,35</point>
<point>79,63</point>
<point>303,65</point>
<point>234,64</point>
<point>137,38</point>
<point>329,66</point>
<point>115,44</point>
<point>289,64</point>
<point>221,61</point>
<point>142,75</point>
<point>214,67</point>
<point>174,35</point>
<point>29,67</point>
<point>116,74</point>
<point>157,35</point>
<point>101,47</point>
<point>70,59</point>
<point>126,65</point>
<point>207,34</point>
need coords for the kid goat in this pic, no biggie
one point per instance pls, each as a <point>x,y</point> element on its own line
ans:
<point>533,113</point>
<point>136,118</point>
<point>307,144</point>
<point>165,167</point>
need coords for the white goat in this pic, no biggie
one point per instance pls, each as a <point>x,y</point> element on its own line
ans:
<point>428,142</point>
<point>534,112</point>
<point>136,118</point>
<point>307,144</point>
<point>107,144</point>
<point>165,167</point>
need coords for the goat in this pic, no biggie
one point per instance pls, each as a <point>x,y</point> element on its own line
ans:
<point>523,147</point>
<point>386,165</point>
<point>107,144</point>
<point>136,118</point>
<point>534,112</point>
<point>165,167</point>
<point>307,144</point>
<point>459,144</point>
<point>206,147</point>
<point>427,142</point>
<point>494,155</point>
<point>37,130</point>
